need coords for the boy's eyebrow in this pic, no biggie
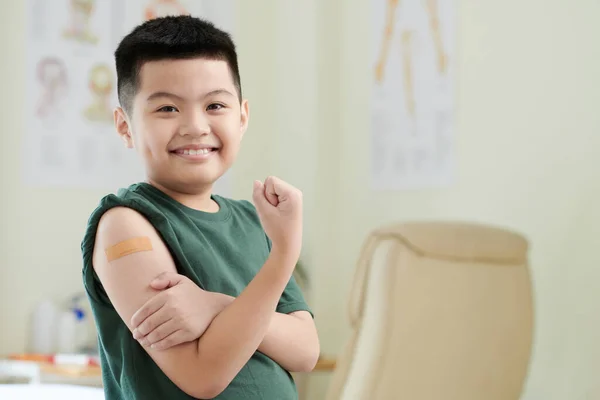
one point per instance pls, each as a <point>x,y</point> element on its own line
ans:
<point>218,91</point>
<point>158,95</point>
<point>173,96</point>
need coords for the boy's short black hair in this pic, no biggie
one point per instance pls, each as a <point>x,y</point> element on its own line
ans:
<point>173,37</point>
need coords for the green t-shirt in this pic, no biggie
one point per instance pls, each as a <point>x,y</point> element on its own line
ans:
<point>220,252</point>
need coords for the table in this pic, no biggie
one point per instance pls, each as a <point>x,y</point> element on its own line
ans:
<point>72,375</point>
<point>325,364</point>
<point>91,376</point>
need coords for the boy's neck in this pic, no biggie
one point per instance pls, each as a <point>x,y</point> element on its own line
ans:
<point>200,200</point>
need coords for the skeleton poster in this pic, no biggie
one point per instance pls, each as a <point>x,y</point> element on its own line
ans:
<point>412,94</point>
<point>70,139</point>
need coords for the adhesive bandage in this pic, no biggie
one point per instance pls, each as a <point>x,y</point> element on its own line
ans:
<point>129,246</point>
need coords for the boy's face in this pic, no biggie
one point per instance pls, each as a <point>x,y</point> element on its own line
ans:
<point>186,123</point>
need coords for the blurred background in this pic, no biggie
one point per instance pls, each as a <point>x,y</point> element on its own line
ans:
<point>524,141</point>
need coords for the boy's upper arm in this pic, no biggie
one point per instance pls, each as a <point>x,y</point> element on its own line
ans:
<point>126,280</point>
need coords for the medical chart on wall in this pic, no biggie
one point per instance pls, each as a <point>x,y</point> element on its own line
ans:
<point>412,94</point>
<point>70,139</point>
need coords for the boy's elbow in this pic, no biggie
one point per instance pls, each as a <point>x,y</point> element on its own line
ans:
<point>203,383</point>
<point>214,384</point>
<point>312,347</point>
<point>206,390</point>
<point>310,359</point>
<point>207,393</point>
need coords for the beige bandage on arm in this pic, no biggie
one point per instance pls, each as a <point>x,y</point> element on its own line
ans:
<point>127,247</point>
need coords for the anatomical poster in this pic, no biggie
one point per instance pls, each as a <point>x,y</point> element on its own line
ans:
<point>413,60</point>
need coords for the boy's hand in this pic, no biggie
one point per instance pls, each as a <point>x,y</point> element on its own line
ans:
<point>279,206</point>
<point>179,314</point>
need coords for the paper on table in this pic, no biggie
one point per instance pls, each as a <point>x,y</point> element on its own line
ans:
<point>50,392</point>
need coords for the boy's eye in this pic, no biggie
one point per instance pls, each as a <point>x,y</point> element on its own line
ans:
<point>215,107</point>
<point>167,109</point>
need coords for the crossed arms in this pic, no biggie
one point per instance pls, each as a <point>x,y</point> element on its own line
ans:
<point>247,324</point>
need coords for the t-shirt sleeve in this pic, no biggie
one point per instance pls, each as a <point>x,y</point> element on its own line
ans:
<point>292,298</point>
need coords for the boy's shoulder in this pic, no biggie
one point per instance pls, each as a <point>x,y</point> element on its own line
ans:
<point>124,195</point>
<point>130,197</point>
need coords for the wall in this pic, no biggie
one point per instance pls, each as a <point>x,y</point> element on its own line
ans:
<point>526,125</point>
<point>527,131</point>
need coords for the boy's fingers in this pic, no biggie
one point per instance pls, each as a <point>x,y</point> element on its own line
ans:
<point>159,333</point>
<point>258,194</point>
<point>173,339</point>
<point>149,308</point>
<point>151,323</point>
<point>160,283</point>
<point>166,280</point>
<point>270,191</point>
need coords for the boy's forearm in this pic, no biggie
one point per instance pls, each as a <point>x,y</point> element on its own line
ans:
<point>292,342</point>
<point>235,334</point>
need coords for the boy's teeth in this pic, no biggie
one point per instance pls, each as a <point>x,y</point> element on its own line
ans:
<point>195,152</point>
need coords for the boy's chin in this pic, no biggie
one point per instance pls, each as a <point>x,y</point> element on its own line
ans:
<point>197,183</point>
<point>190,185</point>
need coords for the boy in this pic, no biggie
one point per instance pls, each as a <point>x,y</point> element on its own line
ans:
<point>225,319</point>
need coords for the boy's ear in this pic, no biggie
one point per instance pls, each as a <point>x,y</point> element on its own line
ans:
<point>122,127</point>
<point>244,117</point>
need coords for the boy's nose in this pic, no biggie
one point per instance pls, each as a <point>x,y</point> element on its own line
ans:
<point>195,124</point>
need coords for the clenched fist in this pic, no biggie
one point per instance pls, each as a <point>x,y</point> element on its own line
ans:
<point>279,207</point>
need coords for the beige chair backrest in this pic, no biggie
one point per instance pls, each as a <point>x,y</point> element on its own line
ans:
<point>439,311</point>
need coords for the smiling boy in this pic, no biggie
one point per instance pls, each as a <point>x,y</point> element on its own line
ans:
<point>232,322</point>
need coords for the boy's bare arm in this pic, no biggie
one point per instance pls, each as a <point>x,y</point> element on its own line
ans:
<point>202,368</point>
<point>292,341</point>
<point>182,312</point>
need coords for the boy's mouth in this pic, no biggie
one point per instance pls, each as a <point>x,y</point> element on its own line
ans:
<point>195,152</point>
